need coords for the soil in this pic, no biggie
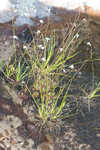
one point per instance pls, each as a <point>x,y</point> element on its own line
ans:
<point>19,128</point>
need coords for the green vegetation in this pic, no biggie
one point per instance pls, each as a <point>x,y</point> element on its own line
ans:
<point>47,74</point>
<point>41,70</point>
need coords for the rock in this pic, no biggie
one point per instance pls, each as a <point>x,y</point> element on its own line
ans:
<point>5,5</point>
<point>22,11</point>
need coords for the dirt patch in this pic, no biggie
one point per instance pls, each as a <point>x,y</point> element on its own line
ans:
<point>20,130</point>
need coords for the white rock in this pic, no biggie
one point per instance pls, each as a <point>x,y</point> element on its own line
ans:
<point>5,5</point>
<point>26,9</point>
<point>72,4</point>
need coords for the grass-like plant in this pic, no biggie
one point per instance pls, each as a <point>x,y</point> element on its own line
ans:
<point>15,71</point>
<point>9,71</point>
<point>95,90</point>
<point>50,62</point>
<point>94,93</point>
<point>44,71</point>
<point>47,104</point>
<point>21,72</point>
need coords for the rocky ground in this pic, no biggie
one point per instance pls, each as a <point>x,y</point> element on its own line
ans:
<point>20,131</point>
<point>18,128</point>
